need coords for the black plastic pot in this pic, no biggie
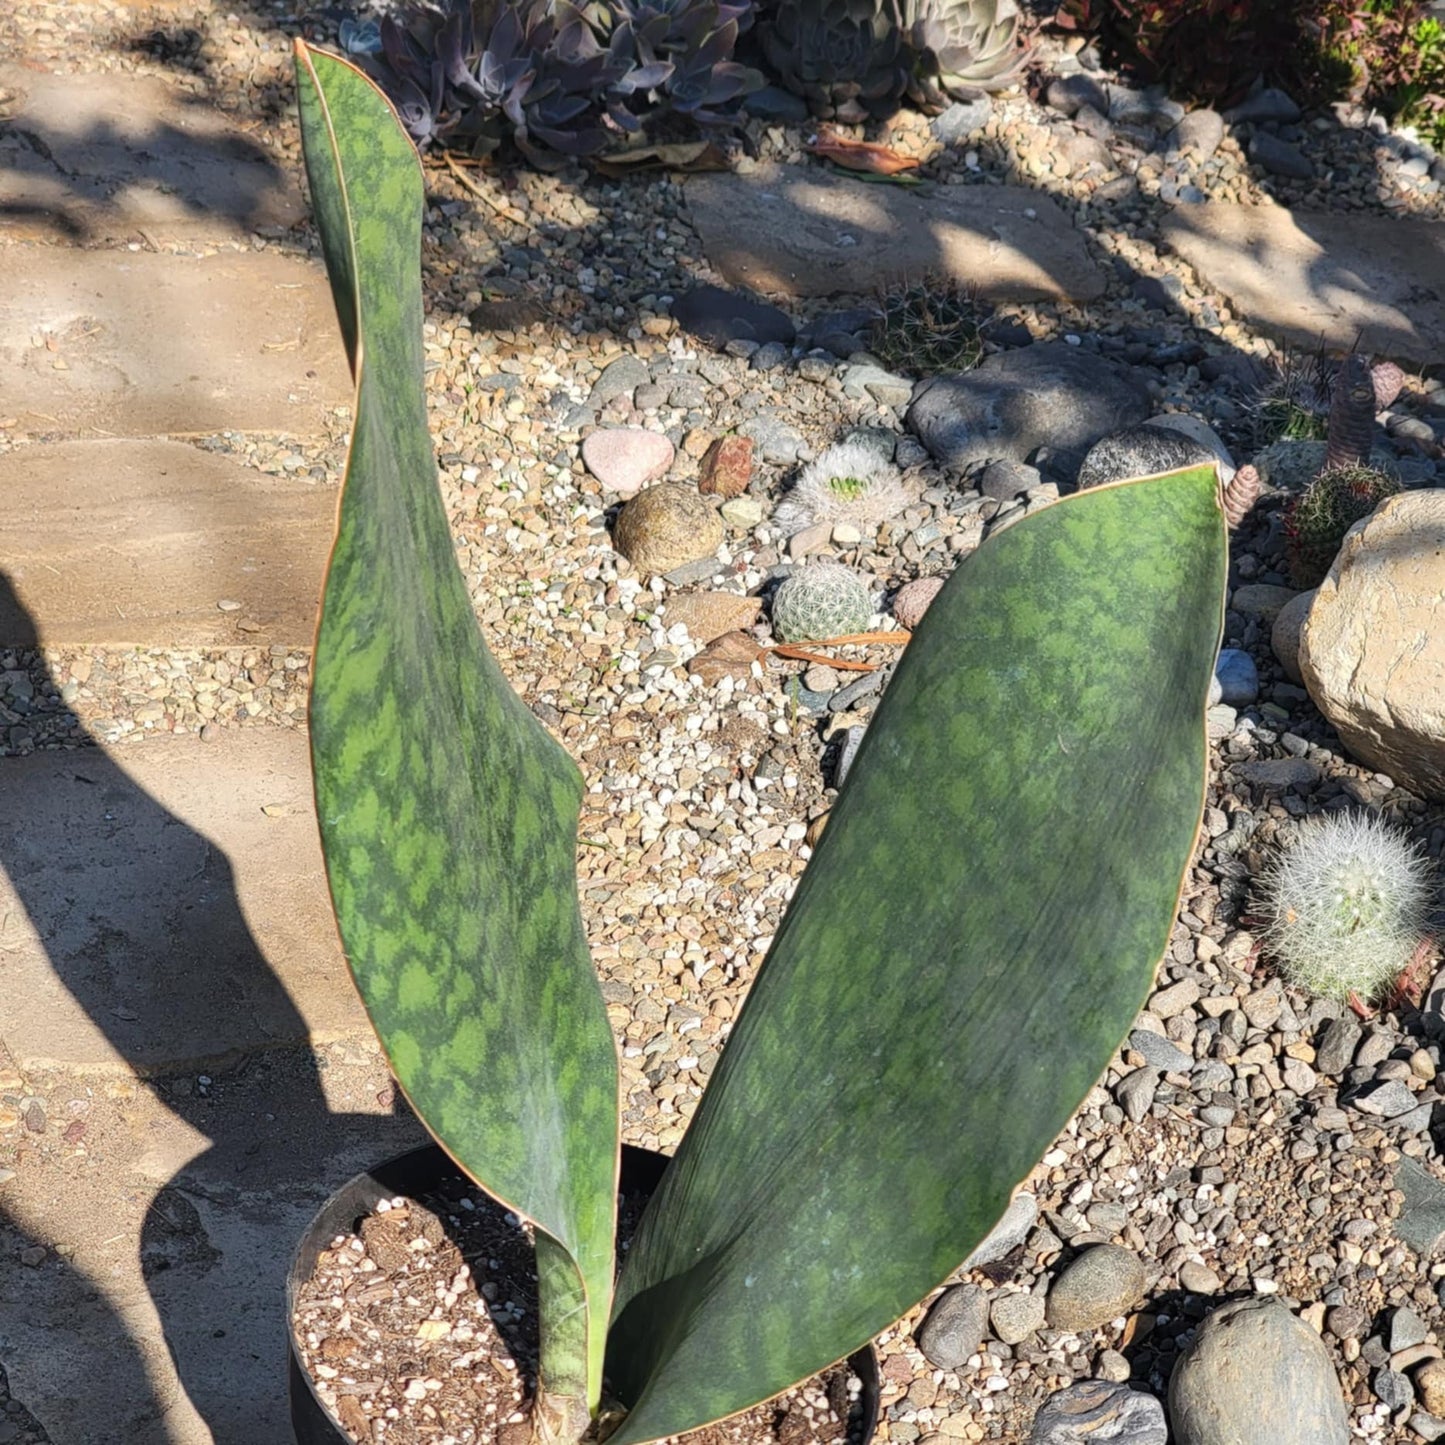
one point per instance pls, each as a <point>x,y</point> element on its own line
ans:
<point>412,1176</point>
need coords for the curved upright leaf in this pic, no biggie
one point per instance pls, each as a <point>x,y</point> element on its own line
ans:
<point>448,816</point>
<point>979,926</point>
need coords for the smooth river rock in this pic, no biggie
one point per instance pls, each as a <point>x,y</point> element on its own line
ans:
<point>1256,1375</point>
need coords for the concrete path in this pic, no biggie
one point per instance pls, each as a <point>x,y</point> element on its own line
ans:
<point>159,544</point>
<point>790,232</point>
<point>185,1071</point>
<point>1312,279</point>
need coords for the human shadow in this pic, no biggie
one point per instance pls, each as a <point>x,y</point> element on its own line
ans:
<point>141,925</point>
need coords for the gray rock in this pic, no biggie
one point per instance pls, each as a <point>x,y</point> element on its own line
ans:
<point>1200,431</point>
<point>852,741</point>
<point>1237,676</point>
<point>1421,1223</point>
<point>954,1327</point>
<point>773,103</point>
<point>1139,451</point>
<point>1281,773</point>
<point>1049,394</point>
<point>1280,158</point>
<point>1096,1411</point>
<point>1385,1099</point>
<point>717,316</point>
<point>1016,1316</point>
<point>1159,1052</point>
<point>1003,481</point>
<point>1200,130</point>
<point>1268,104</point>
<point>1407,1329</point>
<point>1394,1389</point>
<point>1143,108</point>
<point>1432,1012</point>
<point>1427,1427</point>
<point>1135,1092</point>
<point>1255,1373</point>
<point>961,120</point>
<point>776,441</point>
<point>768,357</point>
<point>1008,1233</point>
<point>1100,1285</point>
<point>1069,93</point>
<point>618,378</point>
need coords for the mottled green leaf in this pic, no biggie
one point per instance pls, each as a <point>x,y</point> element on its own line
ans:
<point>448,815</point>
<point>979,927</point>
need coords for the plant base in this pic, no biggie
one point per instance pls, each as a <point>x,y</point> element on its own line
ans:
<point>412,1333</point>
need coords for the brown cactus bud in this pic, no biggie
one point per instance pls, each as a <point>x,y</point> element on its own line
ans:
<point>1240,495</point>
<point>1388,381</point>
<point>1352,415</point>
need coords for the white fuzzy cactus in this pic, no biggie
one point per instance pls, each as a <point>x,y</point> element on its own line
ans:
<point>849,482</point>
<point>821,600</point>
<point>1347,906</point>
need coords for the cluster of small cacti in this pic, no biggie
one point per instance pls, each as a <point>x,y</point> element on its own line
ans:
<point>1316,521</point>
<point>1314,399</point>
<point>821,600</point>
<point>851,481</point>
<point>1346,907</point>
<point>927,327</point>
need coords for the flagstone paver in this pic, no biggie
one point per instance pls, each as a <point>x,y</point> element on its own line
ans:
<point>1312,278</point>
<point>135,344</point>
<point>164,904</point>
<point>157,544</point>
<point>168,1213</point>
<point>794,232</point>
<point>113,156</point>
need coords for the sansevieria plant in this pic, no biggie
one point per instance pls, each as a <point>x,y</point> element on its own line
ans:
<point>977,929</point>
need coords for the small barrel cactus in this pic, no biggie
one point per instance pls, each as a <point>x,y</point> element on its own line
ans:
<point>821,600</point>
<point>1317,520</point>
<point>1346,906</point>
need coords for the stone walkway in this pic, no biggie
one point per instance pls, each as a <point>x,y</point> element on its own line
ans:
<point>184,1072</point>
<point>162,908</point>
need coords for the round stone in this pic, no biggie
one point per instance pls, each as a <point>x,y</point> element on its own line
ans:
<point>953,1330</point>
<point>665,527</point>
<point>1016,1316</point>
<point>1100,1285</point>
<point>624,459</point>
<point>1430,1387</point>
<point>1255,1372</point>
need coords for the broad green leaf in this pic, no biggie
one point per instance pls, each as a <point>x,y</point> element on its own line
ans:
<point>978,928</point>
<point>448,815</point>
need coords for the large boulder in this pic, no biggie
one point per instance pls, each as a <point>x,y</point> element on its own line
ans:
<point>1046,395</point>
<point>1372,650</point>
<point>1256,1373</point>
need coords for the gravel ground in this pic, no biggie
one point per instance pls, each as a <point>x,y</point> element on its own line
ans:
<point>1243,1166</point>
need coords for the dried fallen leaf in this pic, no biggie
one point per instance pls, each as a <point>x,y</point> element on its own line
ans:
<point>860,155</point>
<point>697,155</point>
<point>731,655</point>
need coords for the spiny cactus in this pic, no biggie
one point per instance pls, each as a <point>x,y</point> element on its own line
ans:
<point>929,326</point>
<point>1293,405</point>
<point>1316,521</point>
<point>821,600</point>
<point>1346,906</point>
<point>849,482</point>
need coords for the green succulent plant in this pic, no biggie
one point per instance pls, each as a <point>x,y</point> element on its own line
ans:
<point>855,59</point>
<point>1317,519</point>
<point>1016,827</point>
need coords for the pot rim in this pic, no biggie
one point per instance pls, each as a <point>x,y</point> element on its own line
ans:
<point>408,1174</point>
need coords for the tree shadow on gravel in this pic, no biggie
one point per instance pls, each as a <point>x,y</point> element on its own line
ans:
<point>139,918</point>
